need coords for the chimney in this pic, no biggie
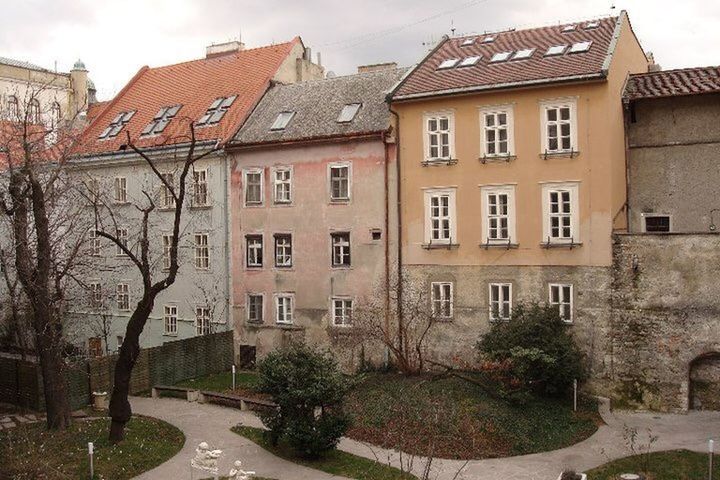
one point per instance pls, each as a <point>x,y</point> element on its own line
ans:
<point>376,67</point>
<point>223,48</point>
<point>652,66</point>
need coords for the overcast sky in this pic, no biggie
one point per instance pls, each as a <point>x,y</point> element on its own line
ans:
<point>116,37</point>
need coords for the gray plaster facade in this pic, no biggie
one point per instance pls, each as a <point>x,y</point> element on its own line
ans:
<point>673,161</point>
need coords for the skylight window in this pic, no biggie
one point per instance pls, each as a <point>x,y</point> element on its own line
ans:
<point>348,112</point>
<point>282,120</point>
<point>591,25</point>
<point>555,50</point>
<point>569,28</point>
<point>216,110</point>
<point>161,120</point>
<point>449,63</point>
<point>468,41</point>
<point>501,56</point>
<point>116,126</point>
<point>489,39</point>
<point>470,61</point>
<point>580,47</point>
<point>522,54</point>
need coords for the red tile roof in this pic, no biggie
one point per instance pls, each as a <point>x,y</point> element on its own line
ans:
<point>427,80</point>
<point>670,83</point>
<point>95,109</point>
<point>194,85</point>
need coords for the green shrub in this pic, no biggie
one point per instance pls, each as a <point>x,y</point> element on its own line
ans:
<point>535,350</point>
<point>309,390</point>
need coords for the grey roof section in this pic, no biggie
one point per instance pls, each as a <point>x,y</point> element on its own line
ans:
<point>317,105</point>
<point>21,64</point>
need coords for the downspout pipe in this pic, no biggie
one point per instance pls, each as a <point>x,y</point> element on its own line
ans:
<point>398,206</point>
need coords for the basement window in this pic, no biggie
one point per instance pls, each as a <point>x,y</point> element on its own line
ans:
<point>216,110</point>
<point>116,126</point>
<point>348,112</point>
<point>653,223</point>
<point>282,120</point>
<point>161,120</point>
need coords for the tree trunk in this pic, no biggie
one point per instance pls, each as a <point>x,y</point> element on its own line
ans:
<point>120,410</point>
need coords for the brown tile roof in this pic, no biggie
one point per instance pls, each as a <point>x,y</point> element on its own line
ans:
<point>194,85</point>
<point>95,109</point>
<point>670,83</point>
<point>427,80</point>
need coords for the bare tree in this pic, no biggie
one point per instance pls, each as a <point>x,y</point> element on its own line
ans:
<point>154,281</point>
<point>211,299</point>
<point>44,222</point>
<point>402,326</point>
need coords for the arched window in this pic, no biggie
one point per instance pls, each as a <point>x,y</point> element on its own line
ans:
<point>34,111</point>
<point>12,107</point>
<point>55,114</point>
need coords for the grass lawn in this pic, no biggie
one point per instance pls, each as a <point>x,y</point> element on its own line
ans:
<point>452,418</point>
<point>30,452</point>
<point>221,382</point>
<point>335,462</point>
<point>671,465</point>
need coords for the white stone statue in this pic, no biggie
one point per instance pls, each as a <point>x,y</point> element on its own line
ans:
<point>206,459</point>
<point>236,473</point>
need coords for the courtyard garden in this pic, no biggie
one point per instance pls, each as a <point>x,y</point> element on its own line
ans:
<point>30,452</point>
<point>670,465</point>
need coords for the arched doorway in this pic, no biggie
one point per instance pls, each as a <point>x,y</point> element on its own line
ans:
<point>705,382</point>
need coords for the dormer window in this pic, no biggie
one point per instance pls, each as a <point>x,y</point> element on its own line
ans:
<point>591,25</point>
<point>500,57</point>
<point>161,120</point>
<point>522,54</point>
<point>488,39</point>
<point>216,110</point>
<point>348,112</point>
<point>116,126</point>
<point>569,28</point>
<point>282,121</point>
<point>468,41</point>
<point>470,61</point>
<point>555,50</point>
<point>580,47</point>
<point>449,63</point>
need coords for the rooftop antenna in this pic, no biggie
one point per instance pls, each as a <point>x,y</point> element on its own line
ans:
<point>612,6</point>
<point>452,27</point>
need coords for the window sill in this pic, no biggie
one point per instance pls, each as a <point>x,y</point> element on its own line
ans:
<point>170,334</point>
<point>563,154</point>
<point>275,326</point>
<point>440,246</point>
<point>497,158</point>
<point>200,207</point>
<point>166,209</point>
<point>282,204</point>
<point>438,161</point>
<point>501,245</point>
<point>339,201</point>
<point>284,268</point>
<point>203,270</point>
<point>115,202</point>
<point>254,205</point>
<point>341,267</point>
<point>251,268</point>
<point>560,244</point>
<point>444,319</point>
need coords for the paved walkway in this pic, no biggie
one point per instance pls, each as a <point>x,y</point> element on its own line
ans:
<point>203,422</point>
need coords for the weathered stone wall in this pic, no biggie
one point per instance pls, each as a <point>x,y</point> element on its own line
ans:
<point>453,342</point>
<point>665,314</point>
<point>673,161</point>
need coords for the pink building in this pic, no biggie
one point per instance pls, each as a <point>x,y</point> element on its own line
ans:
<point>311,211</point>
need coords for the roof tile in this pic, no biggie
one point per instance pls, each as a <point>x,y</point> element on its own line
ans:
<point>670,83</point>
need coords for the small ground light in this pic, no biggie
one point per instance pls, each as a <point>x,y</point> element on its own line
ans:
<point>91,450</point>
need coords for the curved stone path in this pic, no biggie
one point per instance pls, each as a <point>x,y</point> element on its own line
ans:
<point>211,423</point>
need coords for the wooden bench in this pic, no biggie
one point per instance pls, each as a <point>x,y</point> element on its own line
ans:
<point>190,394</point>
<point>235,401</point>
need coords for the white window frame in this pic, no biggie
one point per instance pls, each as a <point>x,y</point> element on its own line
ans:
<point>201,197</point>
<point>500,301</point>
<point>246,173</point>
<point>166,244</point>
<point>261,320</point>
<point>95,243</point>
<point>494,111</point>
<point>120,190</point>
<point>486,192</point>
<point>438,304</point>
<point>574,189</point>
<point>203,320</point>
<point>345,249</point>
<point>287,319</point>
<point>561,300</point>
<point>644,216</point>
<point>122,235</point>
<point>166,198</point>
<point>286,259</point>
<point>427,117</point>
<point>346,305</point>
<point>558,103</point>
<point>277,199</point>
<point>96,299</point>
<point>337,166</point>
<point>170,320</point>
<point>429,193</point>
<point>119,339</point>
<point>262,251</point>
<point>202,251</point>
<point>122,290</point>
